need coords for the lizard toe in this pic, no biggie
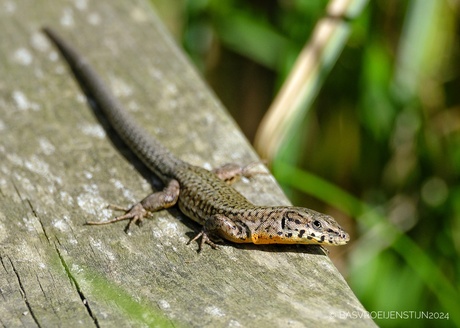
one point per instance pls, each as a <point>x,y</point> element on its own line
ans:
<point>204,240</point>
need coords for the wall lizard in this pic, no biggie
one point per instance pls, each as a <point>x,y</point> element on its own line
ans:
<point>201,195</point>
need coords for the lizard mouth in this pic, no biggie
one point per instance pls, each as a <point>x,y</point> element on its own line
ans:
<point>338,238</point>
<point>332,238</point>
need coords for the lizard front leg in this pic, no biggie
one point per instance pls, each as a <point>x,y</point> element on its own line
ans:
<point>232,172</point>
<point>222,226</point>
<point>152,203</point>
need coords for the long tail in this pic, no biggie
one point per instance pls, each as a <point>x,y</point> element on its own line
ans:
<point>147,148</point>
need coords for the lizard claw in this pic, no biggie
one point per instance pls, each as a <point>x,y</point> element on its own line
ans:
<point>204,239</point>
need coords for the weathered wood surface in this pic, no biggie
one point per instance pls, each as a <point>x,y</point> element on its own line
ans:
<point>58,169</point>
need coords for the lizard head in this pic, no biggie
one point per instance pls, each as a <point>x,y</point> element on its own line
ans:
<point>297,225</point>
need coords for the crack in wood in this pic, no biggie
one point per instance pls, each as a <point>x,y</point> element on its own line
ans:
<point>3,264</point>
<point>23,293</point>
<point>77,287</point>
<point>32,209</point>
<point>39,220</point>
<point>4,268</point>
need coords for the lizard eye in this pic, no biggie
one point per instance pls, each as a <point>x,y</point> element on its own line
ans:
<point>317,225</point>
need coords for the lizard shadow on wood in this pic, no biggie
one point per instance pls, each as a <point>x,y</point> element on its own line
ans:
<point>276,248</point>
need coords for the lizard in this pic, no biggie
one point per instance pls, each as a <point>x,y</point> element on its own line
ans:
<point>202,195</point>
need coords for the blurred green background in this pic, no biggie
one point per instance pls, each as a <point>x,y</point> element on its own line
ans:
<point>379,148</point>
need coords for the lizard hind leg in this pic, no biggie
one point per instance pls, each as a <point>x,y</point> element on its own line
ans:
<point>152,203</point>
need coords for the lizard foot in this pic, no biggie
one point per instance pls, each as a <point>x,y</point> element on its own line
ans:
<point>135,214</point>
<point>204,239</point>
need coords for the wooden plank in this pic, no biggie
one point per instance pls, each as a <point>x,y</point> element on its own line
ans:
<point>58,170</point>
